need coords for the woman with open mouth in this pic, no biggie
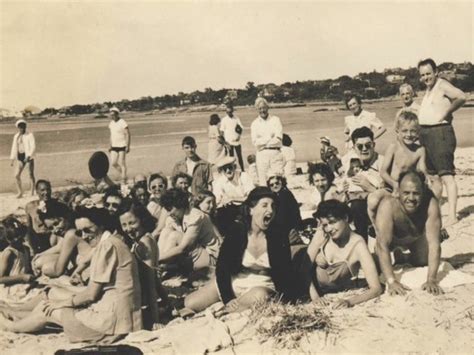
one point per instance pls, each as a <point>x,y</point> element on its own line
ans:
<point>254,261</point>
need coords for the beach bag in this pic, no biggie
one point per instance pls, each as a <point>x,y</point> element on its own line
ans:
<point>102,349</point>
<point>238,129</point>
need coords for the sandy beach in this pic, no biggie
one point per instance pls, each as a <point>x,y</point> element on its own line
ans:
<point>415,323</point>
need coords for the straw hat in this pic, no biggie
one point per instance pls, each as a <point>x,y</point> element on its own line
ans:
<point>225,161</point>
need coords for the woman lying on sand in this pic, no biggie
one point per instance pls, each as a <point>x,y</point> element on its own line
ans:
<point>254,262</point>
<point>336,255</point>
<point>110,305</point>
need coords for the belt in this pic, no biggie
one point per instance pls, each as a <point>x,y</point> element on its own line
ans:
<point>435,125</point>
<point>270,148</point>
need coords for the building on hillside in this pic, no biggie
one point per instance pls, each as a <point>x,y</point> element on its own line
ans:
<point>395,79</point>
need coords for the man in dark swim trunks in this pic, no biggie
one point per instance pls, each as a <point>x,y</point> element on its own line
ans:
<point>412,221</point>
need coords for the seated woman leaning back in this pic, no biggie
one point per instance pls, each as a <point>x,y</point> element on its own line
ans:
<point>254,262</point>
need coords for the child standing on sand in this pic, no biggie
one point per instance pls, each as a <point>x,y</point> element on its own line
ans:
<point>403,155</point>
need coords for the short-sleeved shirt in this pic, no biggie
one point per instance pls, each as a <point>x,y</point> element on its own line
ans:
<point>238,188</point>
<point>228,125</point>
<point>118,135</point>
<point>365,119</point>
<point>199,222</point>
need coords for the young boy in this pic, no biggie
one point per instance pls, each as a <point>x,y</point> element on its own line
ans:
<point>403,155</point>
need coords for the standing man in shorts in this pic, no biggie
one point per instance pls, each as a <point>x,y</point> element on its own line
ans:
<point>22,153</point>
<point>119,142</point>
<point>441,100</point>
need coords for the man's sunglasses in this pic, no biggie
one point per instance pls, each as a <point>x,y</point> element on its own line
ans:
<point>112,204</point>
<point>81,232</point>
<point>367,146</point>
<point>160,186</point>
<point>228,167</point>
<point>275,183</point>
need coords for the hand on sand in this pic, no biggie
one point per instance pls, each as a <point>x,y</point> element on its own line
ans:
<point>321,302</point>
<point>342,304</point>
<point>432,287</point>
<point>397,288</point>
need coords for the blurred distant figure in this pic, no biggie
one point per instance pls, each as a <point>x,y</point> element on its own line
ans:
<point>232,129</point>
<point>360,118</point>
<point>330,155</point>
<point>289,155</point>
<point>119,142</point>
<point>252,169</point>
<point>23,152</point>
<point>266,132</point>
<point>407,94</point>
<point>216,146</point>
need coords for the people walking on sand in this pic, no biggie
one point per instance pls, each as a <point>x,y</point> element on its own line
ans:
<point>232,128</point>
<point>22,156</point>
<point>267,134</point>
<point>216,146</point>
<point>360,118</point>
<point>119,142</point>
<point>440,101</point>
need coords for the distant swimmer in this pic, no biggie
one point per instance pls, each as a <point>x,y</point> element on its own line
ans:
<point>119,142</point>
<point>441,100</point>
<point>22,156</point>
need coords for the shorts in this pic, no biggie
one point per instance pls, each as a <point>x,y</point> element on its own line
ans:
<point>21,157</point>
<point>440,144</point>
<point>118,149</point>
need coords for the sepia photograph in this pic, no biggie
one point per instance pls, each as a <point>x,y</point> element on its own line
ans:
<point>236,177</point>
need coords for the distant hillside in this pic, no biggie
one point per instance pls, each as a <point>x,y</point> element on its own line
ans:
<point>371,85</point>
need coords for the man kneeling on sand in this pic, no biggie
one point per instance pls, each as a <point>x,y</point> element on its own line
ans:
<point>411,221</point>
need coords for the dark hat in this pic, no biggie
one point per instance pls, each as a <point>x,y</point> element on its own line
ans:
<point>258,193</point>
<point>98,165</point>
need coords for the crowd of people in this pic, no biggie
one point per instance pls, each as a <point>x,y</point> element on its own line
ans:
<point>241,227</point>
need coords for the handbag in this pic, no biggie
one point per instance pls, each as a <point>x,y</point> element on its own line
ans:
<point>238,129</point>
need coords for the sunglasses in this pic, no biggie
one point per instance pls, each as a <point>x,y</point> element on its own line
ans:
<point>55,224</point>
<point>367,146</point>
<point>112,204</point>
<point>160,186</point>
<point>81,232</point>
<point>275,183</point>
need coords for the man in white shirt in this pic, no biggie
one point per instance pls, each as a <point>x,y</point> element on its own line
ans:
<point>441,100</point>
<point>23,152</point>
<point>267,132</point>
<point>232,129</point>
<point>360,118</point>
<point>119,142</point>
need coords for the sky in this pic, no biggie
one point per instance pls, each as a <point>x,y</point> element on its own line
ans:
<point>59,53</point>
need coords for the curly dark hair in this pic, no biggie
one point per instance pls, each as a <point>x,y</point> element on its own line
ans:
<point>175,178</point>
<point>10,229</point>
<point>99,216</point>
<point>321,169</point>
<point>56,209</point>
<point>175,198</point>
<point>333,208</point>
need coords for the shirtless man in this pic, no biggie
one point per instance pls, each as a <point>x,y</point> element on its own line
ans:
<point>401,156</point>
<point>413,221</point>
<point>441,100</point>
